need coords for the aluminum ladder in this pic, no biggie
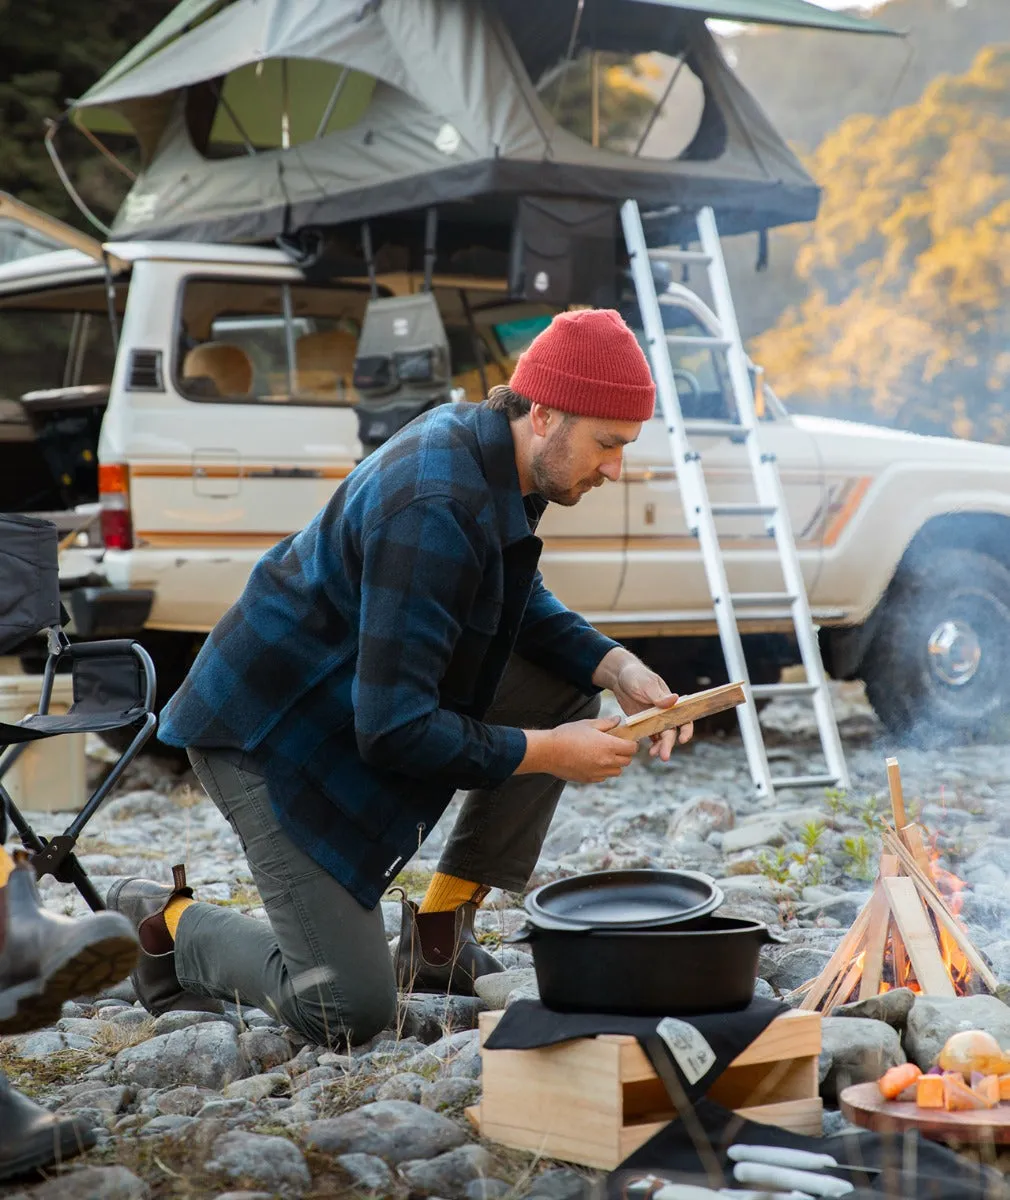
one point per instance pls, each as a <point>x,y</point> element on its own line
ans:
<point>769,502</point>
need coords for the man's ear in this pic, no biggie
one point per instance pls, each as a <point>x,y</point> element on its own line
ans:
<point>540,419</point>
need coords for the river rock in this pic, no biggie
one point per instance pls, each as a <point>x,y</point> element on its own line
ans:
<point>428,1016</point>
<point>891,1007</point>
<point>183,1019</point>
<point>257,1087</point>
<point>560,1184</point>
<point>404,1085</point>
<point>185,1100</point>
<point>394,1130</point>
<point>273,1163</point>
<point>934,1018</point>
<point>203,1055</point>
<point>761,832</point>
<point>451,1094</point>
<point>93,1183</point>
<point>794,967</point>
<point>495,990</point>
<point>39,1046</point>
<point>701,816</point>
<point>449,1174</point>
<point>855,1050</point>
<point>368,1173</point>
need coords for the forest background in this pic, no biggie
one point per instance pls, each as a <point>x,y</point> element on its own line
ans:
<point>892,307</point>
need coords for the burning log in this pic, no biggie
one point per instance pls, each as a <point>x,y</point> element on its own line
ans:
<point>907,934</point>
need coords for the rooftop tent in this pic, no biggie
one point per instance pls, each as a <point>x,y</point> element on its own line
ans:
<point>257,118</point>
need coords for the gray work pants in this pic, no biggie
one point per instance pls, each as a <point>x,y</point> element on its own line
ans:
<point>320,962</point>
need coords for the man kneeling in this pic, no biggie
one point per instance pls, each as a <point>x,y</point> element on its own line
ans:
<point>400,647</point>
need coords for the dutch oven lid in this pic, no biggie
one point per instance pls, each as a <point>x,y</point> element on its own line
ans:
<point>633,899</point>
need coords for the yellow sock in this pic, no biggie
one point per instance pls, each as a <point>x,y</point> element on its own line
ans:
<point>174,910</point>
<point>446,892</point>
<point>6,866</point>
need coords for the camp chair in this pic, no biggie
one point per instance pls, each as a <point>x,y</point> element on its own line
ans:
<point>113,687</point>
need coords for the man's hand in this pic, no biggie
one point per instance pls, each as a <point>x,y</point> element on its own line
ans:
<point>579,751</point>
<point>636,688</point>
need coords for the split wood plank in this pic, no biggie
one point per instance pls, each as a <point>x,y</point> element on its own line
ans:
<point>876,935</point>
<point>927,889</point>
<point>897,795</point>
<point>911,835</point>
<point>687,709</point>
<point>847,984</point>
<point>917,935</point>
<point>847,949</point>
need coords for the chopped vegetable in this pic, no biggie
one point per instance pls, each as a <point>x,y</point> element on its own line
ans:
<point>929,1091</point>
<point>988,1089</point>
<point>894,1081</point>
<point>973,1050</point>
<point>958,1097</point>
<point>1004,1087</point>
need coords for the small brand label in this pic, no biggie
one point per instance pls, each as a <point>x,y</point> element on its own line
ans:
<point>541,281</point>
<point>401,327</point>
<point>447,139</point>
<point>393,865</point>
<point>690,1051</point>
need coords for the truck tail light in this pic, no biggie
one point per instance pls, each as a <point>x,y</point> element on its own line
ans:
<point>114,504</point>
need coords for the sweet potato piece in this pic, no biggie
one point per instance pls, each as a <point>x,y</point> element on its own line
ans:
<point>1004,1087</point>
<point>929,1091</point>
<point>893,1082</point>
<point>988,1090</point>
<point>958,1097</point>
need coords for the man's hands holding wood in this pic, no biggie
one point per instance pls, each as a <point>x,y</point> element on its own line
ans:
<point>585,751</point>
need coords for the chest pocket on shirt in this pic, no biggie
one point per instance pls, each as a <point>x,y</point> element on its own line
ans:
<point>460,681</point>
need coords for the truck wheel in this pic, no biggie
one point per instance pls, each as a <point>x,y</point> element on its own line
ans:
<point>938,668</point>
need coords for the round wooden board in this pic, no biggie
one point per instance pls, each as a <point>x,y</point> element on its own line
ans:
<point>862,1104</point>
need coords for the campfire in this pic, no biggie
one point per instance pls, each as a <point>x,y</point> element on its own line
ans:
<point>908,933</point>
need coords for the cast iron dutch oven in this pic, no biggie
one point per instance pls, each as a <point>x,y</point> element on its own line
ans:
<point>680,961</point>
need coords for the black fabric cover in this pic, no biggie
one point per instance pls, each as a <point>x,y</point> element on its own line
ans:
<point>568,251</point>
<point>911,1168</point>
<point>29,579</point>
<point>109,693</point>
<point>528,1023</point>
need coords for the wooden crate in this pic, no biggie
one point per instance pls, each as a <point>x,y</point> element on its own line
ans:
<point>595,1100</point>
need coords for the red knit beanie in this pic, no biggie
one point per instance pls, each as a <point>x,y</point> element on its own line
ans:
<point>588,363</point>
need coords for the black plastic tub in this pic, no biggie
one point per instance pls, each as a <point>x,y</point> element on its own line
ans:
<point>705,965</point>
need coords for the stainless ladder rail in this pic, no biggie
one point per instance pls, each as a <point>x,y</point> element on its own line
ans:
<point>769,500</point>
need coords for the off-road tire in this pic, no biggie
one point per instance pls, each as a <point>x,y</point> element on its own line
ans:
<point>904,690</point>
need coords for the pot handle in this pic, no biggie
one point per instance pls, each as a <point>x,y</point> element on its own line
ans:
<point>525,933</point>
<point>773,939</point>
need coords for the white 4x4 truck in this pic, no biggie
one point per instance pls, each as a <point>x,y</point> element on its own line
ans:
<point>224,420</point>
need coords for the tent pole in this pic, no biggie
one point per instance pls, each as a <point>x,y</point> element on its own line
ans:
<point>219,93</point>
<point>289,338</point>
<point>72,192</point>
<point>430,231</point>
<point>659,106</point>
<point>331,104</point>
<point>285,100</point>
<point>576,22</point>
<point>475,338</point>
<point>594,77</point>
<point>366,246</point>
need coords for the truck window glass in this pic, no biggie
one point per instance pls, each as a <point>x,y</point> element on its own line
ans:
<point>234,343</point>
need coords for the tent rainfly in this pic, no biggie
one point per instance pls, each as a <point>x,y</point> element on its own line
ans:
<point>259,118</point>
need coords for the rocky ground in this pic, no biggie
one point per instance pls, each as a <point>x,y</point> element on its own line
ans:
<point>191,1105</point>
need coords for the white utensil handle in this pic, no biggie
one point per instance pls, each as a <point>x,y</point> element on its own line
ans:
<point>781,1156</point>
<point>743,1194</point>
<point>785,1179</point>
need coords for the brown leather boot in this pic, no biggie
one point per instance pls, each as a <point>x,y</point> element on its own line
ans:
<point>47,958</point>
<point>439,951</point>
<point>143,903</point>
<point>32,1138</point>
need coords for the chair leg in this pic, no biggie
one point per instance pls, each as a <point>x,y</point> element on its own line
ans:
<point>54,856</point>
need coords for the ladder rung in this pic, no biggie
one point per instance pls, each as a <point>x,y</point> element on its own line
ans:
<point>727,429</point>
<point>805,781</point>
<point>761,599</point>
<point>666,254</point>
<point>744,510</point>
<point>703,340</point>
<point>768,691</point>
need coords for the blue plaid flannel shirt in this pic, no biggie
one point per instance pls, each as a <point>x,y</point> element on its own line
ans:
<point>364,651</point>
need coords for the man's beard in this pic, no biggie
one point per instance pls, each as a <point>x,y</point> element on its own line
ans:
<point>550,477</point>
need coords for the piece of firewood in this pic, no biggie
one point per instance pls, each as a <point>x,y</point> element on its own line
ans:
<point>876,934</point>
<point>897,795</point>
<point>927,889</point>
<point>917,936</point>
<point>687,709</point>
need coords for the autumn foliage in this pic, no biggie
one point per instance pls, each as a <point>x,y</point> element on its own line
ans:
<point>905,314</point>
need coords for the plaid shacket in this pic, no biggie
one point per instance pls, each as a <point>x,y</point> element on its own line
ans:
<point>364,651</point>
